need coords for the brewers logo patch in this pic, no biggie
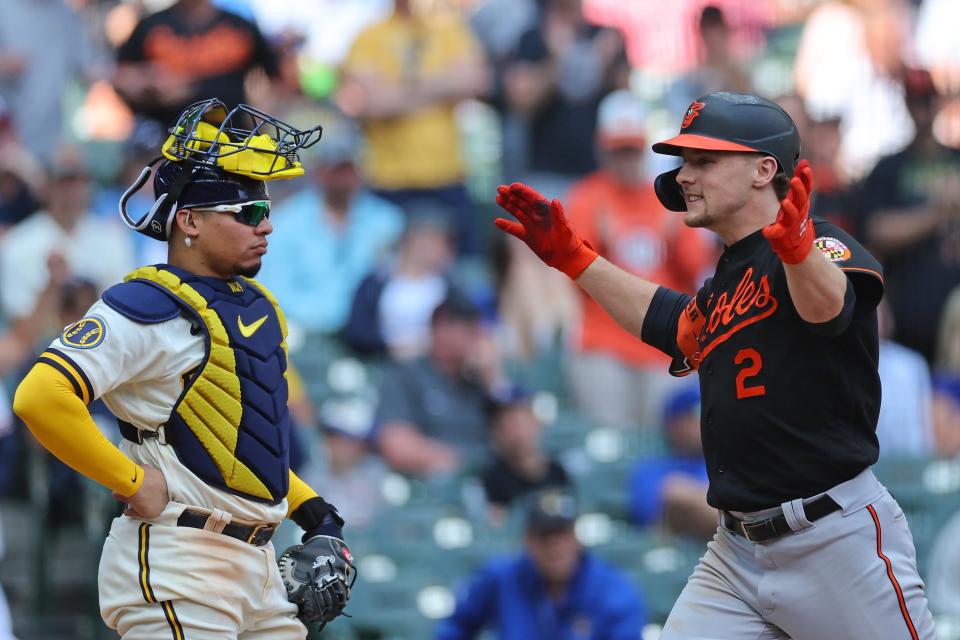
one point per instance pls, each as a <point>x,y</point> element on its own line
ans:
<point>85,333</point>
<point>833,249</point>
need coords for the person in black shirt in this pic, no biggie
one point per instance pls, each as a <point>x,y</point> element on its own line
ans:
<point>187,53</point>
<point>912,202</point>
<point>784,338</point>
<point>520,464</point>
<point>562,69</point>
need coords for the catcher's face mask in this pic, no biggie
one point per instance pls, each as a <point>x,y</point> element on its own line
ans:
<point>215,156</point>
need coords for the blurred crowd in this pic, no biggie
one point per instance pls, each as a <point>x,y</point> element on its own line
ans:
<point>428,344</point>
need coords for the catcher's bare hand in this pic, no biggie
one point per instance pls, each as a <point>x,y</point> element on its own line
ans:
<point>150,499</point>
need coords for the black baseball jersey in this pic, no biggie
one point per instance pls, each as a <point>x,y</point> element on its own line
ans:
<point>789,408</point>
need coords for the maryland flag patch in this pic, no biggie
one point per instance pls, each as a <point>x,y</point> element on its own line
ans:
<point>833,249</point>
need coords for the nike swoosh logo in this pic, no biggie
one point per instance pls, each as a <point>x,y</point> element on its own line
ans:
<point>248,330</point>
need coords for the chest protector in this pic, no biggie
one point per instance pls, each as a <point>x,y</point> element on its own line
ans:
<point>231,426</point>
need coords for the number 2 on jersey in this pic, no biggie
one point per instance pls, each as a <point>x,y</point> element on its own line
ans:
<point>752,356</point>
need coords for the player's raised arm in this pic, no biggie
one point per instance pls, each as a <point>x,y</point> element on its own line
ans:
<point>543,226</point>
<point>818,288</point>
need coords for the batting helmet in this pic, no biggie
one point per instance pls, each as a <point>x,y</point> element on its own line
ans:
<point>729,122</point>
<point>217,156</point>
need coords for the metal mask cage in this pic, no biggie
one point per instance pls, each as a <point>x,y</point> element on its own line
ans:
<point>241,126</point>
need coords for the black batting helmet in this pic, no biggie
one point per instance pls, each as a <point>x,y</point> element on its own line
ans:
<point>729,122</point>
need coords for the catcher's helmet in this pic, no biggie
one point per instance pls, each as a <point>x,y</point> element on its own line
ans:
<point>729,122</point>
<point>215,156</point>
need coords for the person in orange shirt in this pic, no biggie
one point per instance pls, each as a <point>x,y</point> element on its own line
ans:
<point>616,210</point>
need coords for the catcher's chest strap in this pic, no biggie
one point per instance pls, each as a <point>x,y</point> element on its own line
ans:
<point>257,535</point>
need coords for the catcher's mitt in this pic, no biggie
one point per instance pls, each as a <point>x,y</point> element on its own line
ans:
<point>318,575</point>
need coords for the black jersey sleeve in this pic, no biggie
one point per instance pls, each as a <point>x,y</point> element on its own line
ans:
<point>862,269</point>
<point>673,325</point>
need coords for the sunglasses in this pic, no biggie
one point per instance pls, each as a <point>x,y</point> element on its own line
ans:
<point>248,213</point>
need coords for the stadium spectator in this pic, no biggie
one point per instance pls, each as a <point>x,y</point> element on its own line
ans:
<point>912,203</point>
<point>905,425</point>
<point>327,237</point>
<point>44,47</point>
<point>343,463</point>
<point>191,51</point>
<point>21,181</point>
<point>536,306</point>
<point>553,589</point>
<point>672,489</point>
<point>617,211</point>
<point>719,69</point>
<point>937,50</point>
<point>946,381</point>
<point>848,63</point>
<point>520,465</point>
<point>403,78</point>
<point>391,310</point>
<point>563,67</point>
<point>433,416</point>
<point>95,250</point>
<point>328,29</point>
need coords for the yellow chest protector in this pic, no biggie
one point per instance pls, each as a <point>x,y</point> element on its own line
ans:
<point>230,426</point>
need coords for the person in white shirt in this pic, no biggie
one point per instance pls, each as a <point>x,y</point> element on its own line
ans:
<point>93,249</point>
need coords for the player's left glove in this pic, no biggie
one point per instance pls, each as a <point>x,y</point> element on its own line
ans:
<point>792,234</point>
<point>318,575</point>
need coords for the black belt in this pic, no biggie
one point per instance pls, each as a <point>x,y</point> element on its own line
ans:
<point>763,530</point>
<point>133,434</point>
<point>257,535</point>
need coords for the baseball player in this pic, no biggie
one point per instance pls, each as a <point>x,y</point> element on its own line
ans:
<point>809,545</point>
<point>191,358</point>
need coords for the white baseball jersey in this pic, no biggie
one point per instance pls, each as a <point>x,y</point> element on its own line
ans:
<point>138,371</point>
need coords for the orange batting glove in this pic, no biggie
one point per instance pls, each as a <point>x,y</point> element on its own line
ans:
<point>544,227</point>
<point>792,234</point>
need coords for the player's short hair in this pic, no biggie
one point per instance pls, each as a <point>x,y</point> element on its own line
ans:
<point>781,184</point>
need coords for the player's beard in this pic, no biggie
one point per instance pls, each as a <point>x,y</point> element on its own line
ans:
<point>249,271</point>
<point>698,219</point>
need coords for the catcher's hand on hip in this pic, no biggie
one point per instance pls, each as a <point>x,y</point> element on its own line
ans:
<point>544,227</point>
<point>318,575</point>
<point>791,234</point>
<point>150,499</point>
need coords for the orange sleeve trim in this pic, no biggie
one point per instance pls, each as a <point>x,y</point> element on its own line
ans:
<point>688,332</point>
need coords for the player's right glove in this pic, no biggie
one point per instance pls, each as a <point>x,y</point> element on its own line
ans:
<point>791,235</point>
<point>544,227</point>
<point>318,575</point>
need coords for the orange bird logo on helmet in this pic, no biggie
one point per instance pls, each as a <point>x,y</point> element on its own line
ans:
<point>692,112</point>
